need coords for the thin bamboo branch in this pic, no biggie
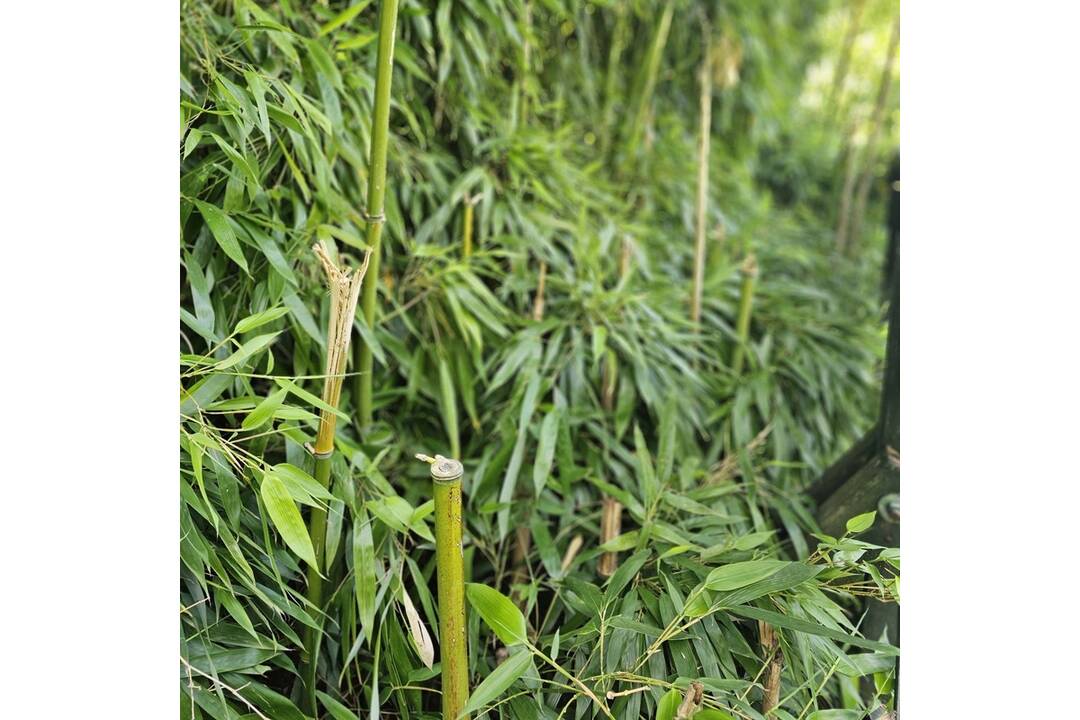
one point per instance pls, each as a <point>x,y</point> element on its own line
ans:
<point>380,128</point>
<point>704,132</point>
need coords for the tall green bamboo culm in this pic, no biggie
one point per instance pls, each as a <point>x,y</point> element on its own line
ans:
<point>700,213</point>
<point>344,287</point>
<point>749,272</point>
<point>450,573</point>
<point>380,124</point>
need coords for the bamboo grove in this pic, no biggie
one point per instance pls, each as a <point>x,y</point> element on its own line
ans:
<point>613,270</point>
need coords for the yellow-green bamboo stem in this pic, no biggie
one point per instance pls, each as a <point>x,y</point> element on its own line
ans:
<point>313,637</point>
<point>380,124</point>
<point>450,574</point>
<point>746,301</point>
<point>467,228</point>
<point>703,180</point>
<point>344,286</point>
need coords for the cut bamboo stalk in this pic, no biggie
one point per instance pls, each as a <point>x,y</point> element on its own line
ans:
<point>691,701</point>
<point>376,198</point>
<point>344,288</point>
<point>704,133</point>
<point>610,527</point>
<point>770,645</point>
<point>538,299</point>
<point>450,574</point>
<point>625,257</point>
<point>572,551</point>
<point>749,272</point>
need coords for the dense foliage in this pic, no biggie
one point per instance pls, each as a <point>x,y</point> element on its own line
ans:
<point>545,341</point>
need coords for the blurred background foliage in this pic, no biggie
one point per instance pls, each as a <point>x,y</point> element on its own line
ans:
<point>534,321</point>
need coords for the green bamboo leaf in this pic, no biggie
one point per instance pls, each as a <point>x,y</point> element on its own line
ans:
<point>310,397</point>
<point>712,714</point>
<point>786,578</point>
<point>740,574</point>
<point>343,17</point>
<point>364,571</point>
<point>259,319</point>
<point>498,611</point>
<point>501,678</point>
<point>646,475</point>
<point>812,628</point>
<point>264,410</point>
<point>668,705</point>
<point>336,709</point>
<point>302,487</point>
<point>626,572</point>
<point>286,518</point>
<point>335,523</point>
<point>448,405</point>
<point>861,522</point>
<point>249,349</point>
<point>228,601</point>
<point>218,222</point>
<point>545,450</point>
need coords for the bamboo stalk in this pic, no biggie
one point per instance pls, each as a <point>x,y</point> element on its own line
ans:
<point>538,299</point>
<point>840,74</point>
<point>467,227</point>
<point>344,288</point>
<point>610,527</point>
<point>770,645</point>
<point>703,179</point>
<point>450,574</point>
<point>380,128</point>
<point>749,271</point>
<point>878,123</point>
<point>850,221</point>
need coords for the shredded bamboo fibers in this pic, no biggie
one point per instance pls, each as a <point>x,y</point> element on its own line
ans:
<point>344,285</point>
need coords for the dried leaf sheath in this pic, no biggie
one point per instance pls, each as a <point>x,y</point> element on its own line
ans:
<point>344,288</point>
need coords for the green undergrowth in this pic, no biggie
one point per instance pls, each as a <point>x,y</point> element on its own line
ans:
<point>577,152</point>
